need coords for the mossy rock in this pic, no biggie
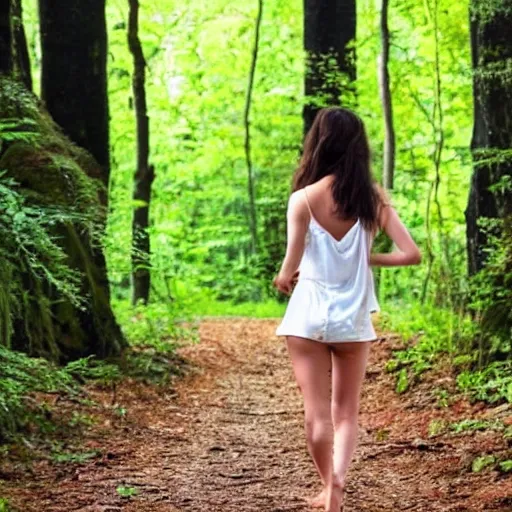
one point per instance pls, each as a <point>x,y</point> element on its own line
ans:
<point>51,171</point>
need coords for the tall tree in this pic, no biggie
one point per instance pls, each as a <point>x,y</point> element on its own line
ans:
<point>388,163</point>
<point>74,89</point>
<point>21,55</point>
<point>247,126</point>
<point>491,144</point>
<point>57,302</point>
<point>74,76</point>
<point>5,37</point>
<point>144,174</point>
<point>388,169</point>
<point>329,34</point>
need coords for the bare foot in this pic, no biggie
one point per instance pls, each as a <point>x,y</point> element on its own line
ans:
<point>319,500</point>
<point>334,498</point>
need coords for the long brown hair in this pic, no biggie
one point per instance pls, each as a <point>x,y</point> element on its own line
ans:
<point>337,144</point>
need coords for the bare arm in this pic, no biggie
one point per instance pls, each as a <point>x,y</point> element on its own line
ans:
<point>408,252</point>
<point>297,225</point>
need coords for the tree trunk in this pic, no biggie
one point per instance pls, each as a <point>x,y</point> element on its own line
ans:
<point>247,125</point>
<point>21,55</point>
<point>492,130</point>
<point>329,34</point>
<point>384,243</point>
<point>56,175</point>
<point>6,60</point>
<point>74,77</point>
<point>144,175</point>
<point>388,170</point>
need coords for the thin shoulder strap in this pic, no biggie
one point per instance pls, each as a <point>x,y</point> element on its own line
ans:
<point>307,201</point>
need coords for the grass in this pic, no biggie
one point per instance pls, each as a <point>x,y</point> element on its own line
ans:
<point>268,309</point>
<point>428,332</point>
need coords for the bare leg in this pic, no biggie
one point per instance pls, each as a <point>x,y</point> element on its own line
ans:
<point>312,367</point>
<point>349,365</point>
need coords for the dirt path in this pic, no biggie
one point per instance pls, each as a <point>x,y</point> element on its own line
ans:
<point>230,438</point>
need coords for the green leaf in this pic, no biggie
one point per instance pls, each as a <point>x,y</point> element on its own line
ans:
<point>506,465</point>
<point>482,462</point>
<point>127,492</point>
<point>402,382</point>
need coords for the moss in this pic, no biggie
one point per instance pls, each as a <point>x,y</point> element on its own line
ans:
<point>52,172</point>
<point>43,148</point>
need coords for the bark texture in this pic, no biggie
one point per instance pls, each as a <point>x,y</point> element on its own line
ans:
<point>74,77</point>
<point>492,132</point>
<point>329,30</point>
<point>21,55</point>
<point>5,37</point>
<point>144,174</point>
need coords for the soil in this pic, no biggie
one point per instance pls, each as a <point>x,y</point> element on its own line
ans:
<point>229,437</point>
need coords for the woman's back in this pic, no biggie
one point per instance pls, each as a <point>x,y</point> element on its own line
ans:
<point>336,261</point>
<point>323,208</point>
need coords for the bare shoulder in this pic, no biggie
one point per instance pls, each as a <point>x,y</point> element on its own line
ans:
<point>297,205</point>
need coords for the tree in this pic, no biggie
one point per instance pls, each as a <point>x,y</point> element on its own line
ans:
<point>247,127</point>
<point>21,56</point>
<point>57,302</point>
<point>5,37</point>
<point>74,76</point>
<point>388,169</point>
<point>388,164</point>
<point>490,196</point>
<point>144,175</point>
<point>329,34</point>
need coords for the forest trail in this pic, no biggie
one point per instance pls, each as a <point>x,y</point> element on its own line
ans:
<point>229,437</point>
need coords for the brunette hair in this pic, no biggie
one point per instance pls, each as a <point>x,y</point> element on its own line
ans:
<point>337,144</point>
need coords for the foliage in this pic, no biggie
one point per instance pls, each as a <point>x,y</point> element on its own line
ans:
<point>491,293</point>
<point>480,463</point>
<point>20,376</point>
<point>89,368</point>
<point>61,457</point>
<point>427,331</point>
<point>50,231</point>
<point>402,381</point>
<point>127,492</point>
<point>198,69</point>
<point>430,333</point>
<point>476,424</point>
<point>492,384</point>
<point>159,325</point>
<point>436,427</point>
<point>506,465</point>
<point>29,251</point>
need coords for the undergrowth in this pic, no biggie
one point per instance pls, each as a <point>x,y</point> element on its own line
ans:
<point>25,381</point>
<point>20,377</point>
<point>430,332</point>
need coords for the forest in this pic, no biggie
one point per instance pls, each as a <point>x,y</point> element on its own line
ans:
<point>146,158</point>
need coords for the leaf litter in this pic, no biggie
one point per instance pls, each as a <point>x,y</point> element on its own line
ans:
<point>229,436</point>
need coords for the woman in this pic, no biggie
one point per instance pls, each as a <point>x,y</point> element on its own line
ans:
<point>334,212</point>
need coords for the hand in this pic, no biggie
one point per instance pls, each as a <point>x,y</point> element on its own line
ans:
<point>285,284</point>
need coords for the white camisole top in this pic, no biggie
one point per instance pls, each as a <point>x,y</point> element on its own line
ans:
<point>335,294</point>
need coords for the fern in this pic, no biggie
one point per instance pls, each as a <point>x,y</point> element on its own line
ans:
<point>32,261</point>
